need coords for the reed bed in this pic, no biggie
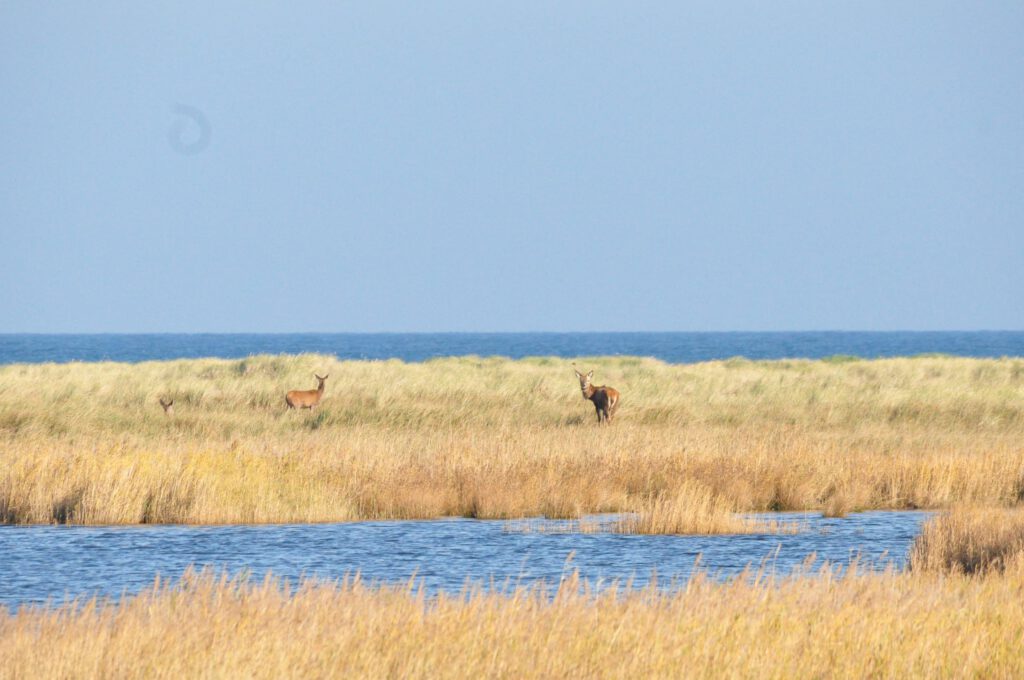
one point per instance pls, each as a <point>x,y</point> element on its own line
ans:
<point>970,541</point>
<point>887,625</point>
<point>693,508</point>
<point>496,438</point>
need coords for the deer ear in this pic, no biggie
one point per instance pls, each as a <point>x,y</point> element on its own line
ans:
<point>325,377</point>
<point>591,374</point>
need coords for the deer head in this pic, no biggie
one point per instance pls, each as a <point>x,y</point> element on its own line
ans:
<point>168,406</point>
<point>320,381</point>
<point>584,381</point>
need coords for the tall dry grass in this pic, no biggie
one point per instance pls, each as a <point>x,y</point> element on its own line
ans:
<point>694,508</point>
<point>970,541</point>
<point>885,625</point>
<point>88,443</point>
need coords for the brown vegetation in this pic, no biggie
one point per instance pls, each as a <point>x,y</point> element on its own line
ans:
<point>885,625</point>
<point>87,443</point>
<point>970,541</point>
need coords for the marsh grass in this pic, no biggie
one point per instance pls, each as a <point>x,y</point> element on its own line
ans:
<point>495,438</point>
<point>859,625</point>
<point>694,508</point>
<point>970,541</point>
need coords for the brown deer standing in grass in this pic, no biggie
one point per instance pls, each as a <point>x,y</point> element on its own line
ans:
<point>306,398</point>
<point>168,407</point>
<point>606,399</point>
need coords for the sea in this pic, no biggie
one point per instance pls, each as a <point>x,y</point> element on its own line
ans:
<point>670,347</point>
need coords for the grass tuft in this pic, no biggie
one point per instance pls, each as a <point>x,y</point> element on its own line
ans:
<point>970,541</point>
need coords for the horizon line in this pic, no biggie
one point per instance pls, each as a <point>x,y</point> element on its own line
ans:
<point>505,332</point>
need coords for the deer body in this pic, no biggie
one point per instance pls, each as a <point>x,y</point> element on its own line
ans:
<point>606,399</point>
<point>306,398</point>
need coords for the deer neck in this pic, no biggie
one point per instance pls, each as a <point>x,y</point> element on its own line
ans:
<point>589,392</point>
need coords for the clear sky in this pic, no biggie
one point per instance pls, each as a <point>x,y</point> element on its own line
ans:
<point>520,166</point>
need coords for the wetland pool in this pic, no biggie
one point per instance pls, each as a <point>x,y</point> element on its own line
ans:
<point>43,563</point>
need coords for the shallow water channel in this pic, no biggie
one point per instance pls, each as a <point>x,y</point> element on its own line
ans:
<point>54,562</point>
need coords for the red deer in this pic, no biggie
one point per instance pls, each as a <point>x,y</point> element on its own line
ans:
<point>306,398</point>
<point>606,399</point>
<point>168,406</point>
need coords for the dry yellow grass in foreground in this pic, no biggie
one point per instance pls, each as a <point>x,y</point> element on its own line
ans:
<point>89,443</point>
<point>864,625</point>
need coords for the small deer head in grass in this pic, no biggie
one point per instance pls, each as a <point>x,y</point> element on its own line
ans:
<point>168,406</point>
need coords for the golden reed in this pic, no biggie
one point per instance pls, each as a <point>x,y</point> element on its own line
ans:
<point>476,437</point>
<point>886,625</point>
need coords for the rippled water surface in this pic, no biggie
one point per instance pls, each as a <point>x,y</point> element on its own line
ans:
<point>671,347</point>
<point>42,562</point>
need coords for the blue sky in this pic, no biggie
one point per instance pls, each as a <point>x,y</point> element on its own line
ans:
<point>511,166</point>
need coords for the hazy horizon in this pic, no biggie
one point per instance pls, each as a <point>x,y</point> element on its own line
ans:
<point>511,167</point>
<point>754,331</point>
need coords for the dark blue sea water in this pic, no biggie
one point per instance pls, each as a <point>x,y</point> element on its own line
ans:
<point>42,562</point>
<point>671,347</point>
